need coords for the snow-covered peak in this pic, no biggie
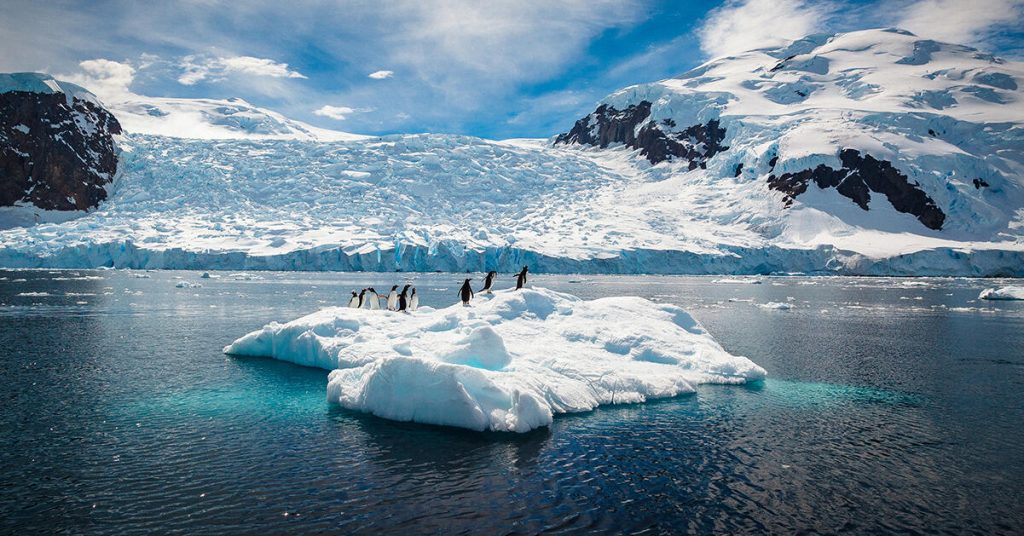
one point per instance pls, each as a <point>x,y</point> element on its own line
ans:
<point>231,118</point>
<point>881,70</point>
<point>43,83</point>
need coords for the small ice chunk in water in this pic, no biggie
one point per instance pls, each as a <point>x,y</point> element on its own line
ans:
<point>1002,293</point>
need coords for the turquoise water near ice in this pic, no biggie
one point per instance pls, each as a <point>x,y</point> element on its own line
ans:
<point>891,405</point>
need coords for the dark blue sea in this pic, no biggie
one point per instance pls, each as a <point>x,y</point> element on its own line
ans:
<point>892,405</point>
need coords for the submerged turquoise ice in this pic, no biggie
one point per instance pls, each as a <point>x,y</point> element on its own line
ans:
<point>890,405</point>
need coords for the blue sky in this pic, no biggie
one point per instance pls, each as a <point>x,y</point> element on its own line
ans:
<point>494,69</point>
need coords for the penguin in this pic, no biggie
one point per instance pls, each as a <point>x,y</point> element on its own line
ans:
<point>362,297</point>
<point>403,299</point>
<point>414,300</point>
<point>488,281</point>
<point>393,298</point>
<point>372,300</point>
<point>353,302</point>
<point>466,293</point>
<point>521,278</point>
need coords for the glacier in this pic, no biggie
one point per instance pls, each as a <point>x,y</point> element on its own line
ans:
<point>510,362</point>
<point>257,192</point>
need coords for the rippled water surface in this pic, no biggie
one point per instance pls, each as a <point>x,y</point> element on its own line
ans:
<point>892,405</point>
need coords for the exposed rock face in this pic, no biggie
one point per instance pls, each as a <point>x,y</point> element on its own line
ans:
<point>657,141</point>
<point>859,176</point>
<point>56,150</point>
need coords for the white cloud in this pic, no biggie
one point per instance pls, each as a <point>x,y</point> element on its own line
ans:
<point>107,79</point>
<point>196,69</point>
<point>472,51</point>
<point>338,113</point>
<point>960,21</point>
<point>741,25</point>
<point>380,75</point>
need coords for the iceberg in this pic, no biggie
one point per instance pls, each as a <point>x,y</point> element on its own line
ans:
<point>510,362</point>
<point>1002,293</point>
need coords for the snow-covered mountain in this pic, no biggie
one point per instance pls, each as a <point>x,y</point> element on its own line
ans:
<point>893,123</point>
<point>214,119</point>
<point>872,152</point>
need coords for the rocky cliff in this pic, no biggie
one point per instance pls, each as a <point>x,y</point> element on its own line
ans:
<point>57,147</point>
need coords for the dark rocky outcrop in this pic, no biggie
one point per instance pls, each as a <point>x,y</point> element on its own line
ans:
<point>859,176</point>
<point>633,128</point>
<point>56,151</point>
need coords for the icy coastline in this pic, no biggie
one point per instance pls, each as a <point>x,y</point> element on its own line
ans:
<point>508,363</point>
<point>455,257</point>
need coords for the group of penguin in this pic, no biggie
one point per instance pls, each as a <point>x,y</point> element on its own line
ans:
<point>404,301</point>
<point>466,292</point>
<point>395,301</point>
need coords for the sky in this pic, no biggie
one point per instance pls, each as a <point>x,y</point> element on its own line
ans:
<point>495,69</point>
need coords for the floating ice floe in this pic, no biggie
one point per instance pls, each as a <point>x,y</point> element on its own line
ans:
<point>776,305</point>
<point>1002,293</point>
<point>508,363</point>
<point>187,284</point>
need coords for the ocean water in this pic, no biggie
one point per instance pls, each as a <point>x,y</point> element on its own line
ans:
<point>892,405</point>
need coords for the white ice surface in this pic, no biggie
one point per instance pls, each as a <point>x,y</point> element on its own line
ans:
<point>43,83</point>
<point>508,363</point>
<point>1003,293</point>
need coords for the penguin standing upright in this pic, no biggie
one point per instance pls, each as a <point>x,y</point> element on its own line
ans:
<point>521,278</point>
<point>403,299</point>
<point>488,281</point>
<point>362,297</point>
<point>353,302</point>
<point>414,300</point>
<point>372,300</point>
<point>466,292</point>
<point>393,298</point>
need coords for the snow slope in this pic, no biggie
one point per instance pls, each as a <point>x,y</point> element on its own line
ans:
<point>214,119</point>
<point>508,363</point>
<point>942,116</point>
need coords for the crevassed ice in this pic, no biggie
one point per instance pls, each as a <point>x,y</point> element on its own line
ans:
<point>508,363</point>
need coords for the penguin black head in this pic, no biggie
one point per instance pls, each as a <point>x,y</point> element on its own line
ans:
<point>371,289</point>
<point>394,287</point>
<point>414,291</point>
<point>354,293</point>
<point>468,279</point>
<point>363,292</point>
<point>406,288</point>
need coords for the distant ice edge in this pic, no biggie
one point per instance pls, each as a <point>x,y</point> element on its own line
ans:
<point>509,363</point>
<point>453,257</point>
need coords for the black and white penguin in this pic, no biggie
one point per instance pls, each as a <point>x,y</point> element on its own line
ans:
<point>521,278</point>
<point>466,292</point>
<point>488,281</point>
<point>393,298</point>
<point>403,299</point>
<point>414,300</point>
<point>372,300</point>
<point>362,298</point>
<point>353,302</point>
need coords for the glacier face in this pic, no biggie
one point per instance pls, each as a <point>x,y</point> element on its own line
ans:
<point>767,189</point>
<point>508,363</point>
